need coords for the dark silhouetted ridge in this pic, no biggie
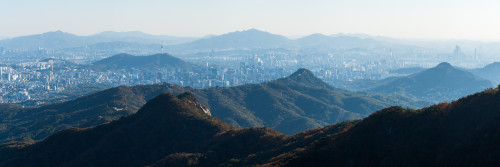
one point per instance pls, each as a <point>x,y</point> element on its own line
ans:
<point>36,123</point>
<point>187,96</point>
<point>164,125</point>
<point>174,131</point>
<point>462,133</point>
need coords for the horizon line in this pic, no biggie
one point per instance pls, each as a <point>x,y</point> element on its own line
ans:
<point>291,37</point>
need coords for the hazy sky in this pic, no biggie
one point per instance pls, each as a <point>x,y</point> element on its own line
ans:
<point>434,19</point>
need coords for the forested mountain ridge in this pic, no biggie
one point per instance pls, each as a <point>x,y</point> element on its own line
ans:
<point>461,133</point>
<point>175,131</point>
<point>290,105</point>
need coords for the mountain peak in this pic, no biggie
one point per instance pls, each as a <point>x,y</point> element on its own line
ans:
<point>162,55</point>
<point>319,35</point>
<point>190,98</point>
<point>56,33</point>
<point>187,96</point>
<point>167,99</point>
<point>314,37</point>
<point>252,31</point>
<point>304,77</point>
<point>251,38</point>
<point>435,84</point>
<point>302,72</point>
<point>444,65</point>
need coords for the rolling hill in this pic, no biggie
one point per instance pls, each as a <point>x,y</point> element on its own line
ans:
<point>126,61</point>
<point>441,83</point>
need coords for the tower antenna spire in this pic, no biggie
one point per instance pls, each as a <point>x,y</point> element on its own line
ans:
<point>162,48</point>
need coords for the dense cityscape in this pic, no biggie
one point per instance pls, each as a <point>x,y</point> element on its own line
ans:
<point>35,77</point>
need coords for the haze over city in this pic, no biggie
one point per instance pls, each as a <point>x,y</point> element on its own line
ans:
<point>274,83</point>
<point>426,19</point>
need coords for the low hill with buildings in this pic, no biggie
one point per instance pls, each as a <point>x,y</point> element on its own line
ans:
<point>151,62</point>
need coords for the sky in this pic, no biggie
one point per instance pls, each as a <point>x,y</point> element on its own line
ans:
<point>410,19</point>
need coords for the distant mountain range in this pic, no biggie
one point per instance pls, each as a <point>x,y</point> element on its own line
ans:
<point>441,83</point>
<point>118,47</point>
<point>54,40</point>
<point>239,40</point>
<point>61,40</point>
<point>139,37</point>
<point>292,104</point>
<point>256,39</point>
<point>151,62</point>
<point>179,131</point>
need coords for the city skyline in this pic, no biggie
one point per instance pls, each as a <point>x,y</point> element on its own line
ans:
<point>444,19</point>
